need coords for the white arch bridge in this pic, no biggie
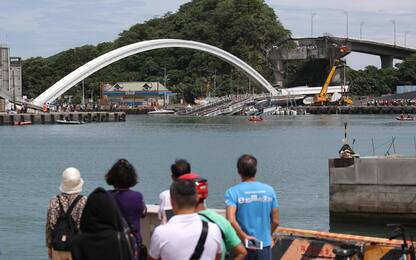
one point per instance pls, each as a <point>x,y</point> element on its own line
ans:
<point>100,62</point>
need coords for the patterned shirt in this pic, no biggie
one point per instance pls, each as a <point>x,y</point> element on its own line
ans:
<point>53,212</point>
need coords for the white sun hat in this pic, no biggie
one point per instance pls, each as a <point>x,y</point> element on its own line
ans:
<point>71,181</point>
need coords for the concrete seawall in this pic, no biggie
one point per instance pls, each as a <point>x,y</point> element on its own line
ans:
<point>372,188</point>
<point>50,118</point>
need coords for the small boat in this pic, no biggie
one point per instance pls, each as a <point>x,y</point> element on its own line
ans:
<point>69,122</point>
<point>161,111</point>
<point>23,123</point>
<point>255,118</point>
<point>251,111</point>
<point>406,118</point>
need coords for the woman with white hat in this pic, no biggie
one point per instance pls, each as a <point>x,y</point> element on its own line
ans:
<point>71,187</point>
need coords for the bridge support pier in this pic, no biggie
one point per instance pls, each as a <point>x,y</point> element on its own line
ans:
<point>279,74</point>
<point>386,61</point>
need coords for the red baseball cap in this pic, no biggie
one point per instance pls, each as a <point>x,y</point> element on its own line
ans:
<point>201,184</point>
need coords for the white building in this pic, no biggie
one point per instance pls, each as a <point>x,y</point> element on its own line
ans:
<point>138,94</point>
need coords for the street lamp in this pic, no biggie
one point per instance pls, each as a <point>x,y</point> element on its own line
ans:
<point>394,24</point>
<point>361,29</point>
<point>346,15</point>
<point>405,37</point>
<point>312,16</point>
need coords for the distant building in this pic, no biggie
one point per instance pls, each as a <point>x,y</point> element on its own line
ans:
<point>10,73</point>
<point>137,94</point>
<point>400,89</point>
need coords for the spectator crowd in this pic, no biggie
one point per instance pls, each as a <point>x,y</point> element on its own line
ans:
<point>391,102</point>
<point>106,224</point>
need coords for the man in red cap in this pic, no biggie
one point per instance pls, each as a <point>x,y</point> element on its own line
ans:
<point>230,239</point>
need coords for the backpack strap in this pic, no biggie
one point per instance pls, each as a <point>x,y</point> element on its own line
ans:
<point>61,208</point>
<point>123,215</point>
<point>73,204</point>
<point>212,221</point>
<point>122,210</point>
<point>199,249</point>
<point>71,207</point>
<point>120,249</point>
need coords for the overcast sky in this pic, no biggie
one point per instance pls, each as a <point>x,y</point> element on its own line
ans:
<point>45,27</point>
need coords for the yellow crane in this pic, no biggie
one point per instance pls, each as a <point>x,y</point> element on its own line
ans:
<point>322,98</point>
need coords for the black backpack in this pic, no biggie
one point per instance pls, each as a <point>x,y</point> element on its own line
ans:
<point>65,228</point>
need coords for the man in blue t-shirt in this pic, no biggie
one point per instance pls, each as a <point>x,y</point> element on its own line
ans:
<point>252,208</point>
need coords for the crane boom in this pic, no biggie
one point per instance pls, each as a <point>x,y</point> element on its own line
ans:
<point>322,96</point>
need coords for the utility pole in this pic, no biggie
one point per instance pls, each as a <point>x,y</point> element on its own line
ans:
<point>14,92</point>
<point>83,93</point>
<point>215,81</point>
<point>361,29</point>
<point>165,80</point>
<point>346,15</point>
<point>312,16</point>
<point>405,37</point>
<point>343,87</point>
<point>232,87</point>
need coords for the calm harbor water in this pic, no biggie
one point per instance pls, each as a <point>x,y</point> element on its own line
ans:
<point>292,154</point>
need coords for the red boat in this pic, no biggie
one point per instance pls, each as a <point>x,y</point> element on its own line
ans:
<point>23,123</point>
<point>255,118</point>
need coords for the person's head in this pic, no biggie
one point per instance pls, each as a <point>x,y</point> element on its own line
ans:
<point>122,175</point>
<point>201,185</point>
<point>183,195</point>
<point>179,168</point>
<point>247,166</point>
<point>71,182</point>
<point>100,213</point>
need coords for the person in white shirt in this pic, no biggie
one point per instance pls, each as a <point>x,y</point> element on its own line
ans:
<point>179,168</point>
<point>178,238</point>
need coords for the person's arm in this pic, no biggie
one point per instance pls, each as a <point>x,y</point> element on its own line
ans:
<point>275,219</point>
<point>144,209</point>
<point>230,212</point>
<point>218,257</point>
<point>239,252</point>
<point>162,214</point>
<point>274,215</point>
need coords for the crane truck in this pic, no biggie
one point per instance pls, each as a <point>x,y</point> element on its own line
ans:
<point>323,98</point>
